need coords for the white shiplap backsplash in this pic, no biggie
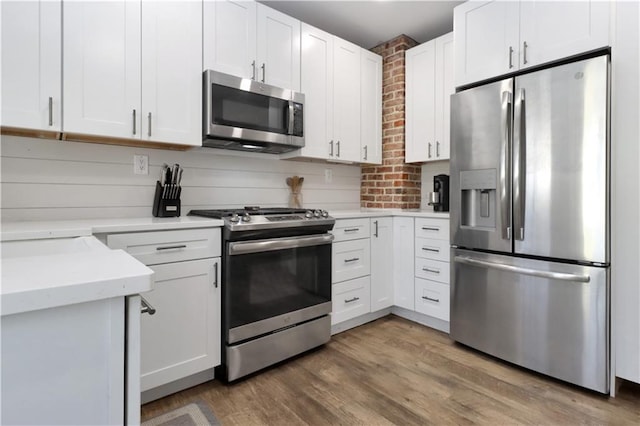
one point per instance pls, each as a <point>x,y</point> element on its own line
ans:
<point>58,180</point>
<point>429,170</point>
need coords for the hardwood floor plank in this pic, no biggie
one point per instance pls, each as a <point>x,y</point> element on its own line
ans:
<point>393,371</point>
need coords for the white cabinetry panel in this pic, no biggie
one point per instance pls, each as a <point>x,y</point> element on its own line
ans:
<point>32,64</point>
<point>403,274</point>
<point>346,100</point>
<point>432,299</point>
<point>351,259</point>
<point>382,263</point>
<point>371,107</point>
<point>350,299</point>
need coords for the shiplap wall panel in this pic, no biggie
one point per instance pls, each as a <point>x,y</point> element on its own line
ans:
<point>52,180</point>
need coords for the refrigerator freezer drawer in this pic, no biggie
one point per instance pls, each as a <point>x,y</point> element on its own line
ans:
<point>549,317</point>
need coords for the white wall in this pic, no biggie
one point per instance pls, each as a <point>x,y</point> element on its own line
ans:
<point>429,170</point>
<point>51,180</point>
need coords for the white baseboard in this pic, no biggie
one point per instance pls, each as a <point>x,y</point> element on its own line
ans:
<point>358,321</point>
<point>432,322</point>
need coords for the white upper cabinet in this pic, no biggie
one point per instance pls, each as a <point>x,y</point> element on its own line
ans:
<point>172,72</point>
<point>370,107</point>
<point>134,70</point>
<point>31,64</point>
<point>346,101</point>
<point>101,59</point>
<point>429,85</point>
<point>251,40</point>
<point>498,37</point>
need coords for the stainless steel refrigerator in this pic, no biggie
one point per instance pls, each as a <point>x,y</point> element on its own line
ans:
<point>530,221</point>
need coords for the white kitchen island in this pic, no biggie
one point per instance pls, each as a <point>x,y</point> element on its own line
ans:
<point>70,355</point>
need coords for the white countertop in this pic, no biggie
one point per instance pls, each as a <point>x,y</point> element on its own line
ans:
<point>347,214</point>
<point>44,274</point>
<point>14,231</point>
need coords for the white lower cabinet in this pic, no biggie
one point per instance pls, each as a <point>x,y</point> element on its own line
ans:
<point>182,337</point>
<point>432,298</point>
<point>350,299</point>
<point>381,263</point>
<point>351,259</point>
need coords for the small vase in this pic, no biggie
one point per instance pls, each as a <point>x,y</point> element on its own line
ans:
<point>295,200</point>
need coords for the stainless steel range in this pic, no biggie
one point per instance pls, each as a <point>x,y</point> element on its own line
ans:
<point>276,285</point>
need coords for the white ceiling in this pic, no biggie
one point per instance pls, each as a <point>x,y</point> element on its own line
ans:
<point>369,23</point>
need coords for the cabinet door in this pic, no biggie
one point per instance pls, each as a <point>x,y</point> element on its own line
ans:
<point>350,259</point>
<point>32,64</point>
<point>183,336</point>
<point>101,60</point>
<point>381,263</point>
<point>172,72</point>
<point>444,89</point>
<point>278,50</point>
<point>486,39</point>
<point>346,100</point>
<point>420,87</point>
<point>555,30</point>
<point>370,107</point>
<point>230,37</point>
<point>403,275</point>
<point>317,85</point>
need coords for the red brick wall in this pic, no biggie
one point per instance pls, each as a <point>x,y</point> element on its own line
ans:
<point>393,184</point>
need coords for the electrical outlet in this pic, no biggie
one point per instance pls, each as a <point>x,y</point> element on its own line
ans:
<point>328,175</point>
<point>140,165</point>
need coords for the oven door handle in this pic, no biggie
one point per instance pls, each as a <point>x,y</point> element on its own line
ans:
<point>246,247</point>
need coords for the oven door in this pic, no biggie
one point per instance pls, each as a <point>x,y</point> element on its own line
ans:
<point>275,283</point>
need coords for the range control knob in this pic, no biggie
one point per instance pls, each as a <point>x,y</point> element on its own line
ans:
<point>246,217</point>
<point>308,214</point>
<point>324,213</point>
<point>234,218</point>
<point>316,213</point>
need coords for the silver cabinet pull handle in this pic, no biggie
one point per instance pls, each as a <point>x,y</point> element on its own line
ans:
<point>427,228</point>
<point>429,149</point>
<point>181,246</point>
<point>253,67</point>
<point>353,259</point>
<point>50,111</point>
<point>510,57</point>
<point>134,121</point>
<point>437,149</point>
<point>338,149</point>
<point>524,53</point>
<point>431,249</point>
<point>560,276</point>
<point>215,275</point>
<point>433,300</point>
<point>331,152</point>
<point>264,71</point>
<point>146,307</point>
<point>433,271</point>
<point>351,300</point>
<point>351,229</point>
<point>365,151</point>
<point>149,130</point>
<point>375,234</point>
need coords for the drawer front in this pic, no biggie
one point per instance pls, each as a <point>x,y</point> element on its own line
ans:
<point>351,229</point>
<point>433,270</point>
<point>432,298</point>
<point>428,248</point>
<point>432,228</point>
<point>350,299</point>
<point>350,259</point>
<point>152,248</point>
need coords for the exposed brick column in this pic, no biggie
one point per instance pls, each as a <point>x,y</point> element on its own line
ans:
<point>394,184</point>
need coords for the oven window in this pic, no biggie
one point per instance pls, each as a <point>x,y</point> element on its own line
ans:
<point>266,284</point>
<point>238,108</point>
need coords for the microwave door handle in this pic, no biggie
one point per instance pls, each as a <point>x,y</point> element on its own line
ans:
<point>290,118</point>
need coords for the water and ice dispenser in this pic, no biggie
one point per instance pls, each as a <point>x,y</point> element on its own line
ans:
<point>479,204</point>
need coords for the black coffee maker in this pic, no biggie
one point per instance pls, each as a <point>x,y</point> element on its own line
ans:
<point>439,198</point>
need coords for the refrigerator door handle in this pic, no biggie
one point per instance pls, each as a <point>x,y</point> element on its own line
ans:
<point>559,276</point>
<point>519,168</point>
<point>505,165</point>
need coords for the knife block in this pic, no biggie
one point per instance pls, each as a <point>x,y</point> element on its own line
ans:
<point>166,204</point>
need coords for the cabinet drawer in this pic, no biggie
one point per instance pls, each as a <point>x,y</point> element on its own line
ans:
<point>350,299</point>
<point>350,259</point>
<point>432,298</point>
<point>152,248</point>
<point>432,228</point>
<point>432,270</point>
<point>429,248</point>
<point>351,229</point>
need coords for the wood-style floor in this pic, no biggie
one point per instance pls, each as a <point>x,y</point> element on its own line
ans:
<point>393,371</point>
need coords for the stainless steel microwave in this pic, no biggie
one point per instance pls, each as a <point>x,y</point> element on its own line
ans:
<point>246,115</point>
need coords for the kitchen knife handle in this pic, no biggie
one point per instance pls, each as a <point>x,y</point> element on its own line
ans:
<point>505,165</point>
<point>134,121</point>
<point>50,111</point>
<point>149,124</point>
